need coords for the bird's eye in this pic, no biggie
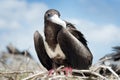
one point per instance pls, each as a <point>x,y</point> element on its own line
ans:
<point>49,15</point>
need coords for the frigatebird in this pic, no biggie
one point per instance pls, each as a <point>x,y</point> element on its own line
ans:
<point>63,44</point>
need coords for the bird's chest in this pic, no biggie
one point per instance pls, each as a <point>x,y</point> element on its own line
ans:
<point>57,53</point>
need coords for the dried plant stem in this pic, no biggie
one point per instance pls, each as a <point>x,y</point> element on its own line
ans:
<point>16,72</point>
<point>109,68</point>
<point>34,75</point>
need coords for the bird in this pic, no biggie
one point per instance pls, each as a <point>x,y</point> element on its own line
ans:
<point>112,60</point>
<point>63,44</point>
<point>13,50</point>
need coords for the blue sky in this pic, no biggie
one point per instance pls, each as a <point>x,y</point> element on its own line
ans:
<point>98,20</point>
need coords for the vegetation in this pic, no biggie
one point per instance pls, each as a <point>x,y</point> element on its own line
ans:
<point>22,67</point>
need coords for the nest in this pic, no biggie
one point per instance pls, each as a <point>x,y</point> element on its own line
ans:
<point>22,67</point>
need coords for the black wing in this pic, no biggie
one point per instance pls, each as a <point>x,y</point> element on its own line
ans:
<point>79,36</point>
<point>41,52</point>
<point>76,53</point>
<point>115,56</point>
<point>72,29</point>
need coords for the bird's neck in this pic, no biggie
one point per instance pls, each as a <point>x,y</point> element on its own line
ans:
<point>51,31</point>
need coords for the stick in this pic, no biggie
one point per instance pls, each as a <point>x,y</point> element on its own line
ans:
<point>34,75</point>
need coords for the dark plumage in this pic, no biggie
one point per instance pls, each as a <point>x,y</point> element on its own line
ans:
<point>113,59</point>
<point>13,50</point>
<point>41,52</point>
<point>72,29</point>
<point>63,45</point>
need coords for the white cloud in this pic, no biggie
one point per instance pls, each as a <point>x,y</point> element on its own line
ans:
<point>105,34</point>
<point>15,24</point>
<point>101,38</point>
<point>18,21</point>
<point>20,12</point>
<point>99,33</point>
<point>2,23</point>
<point>5,24</point>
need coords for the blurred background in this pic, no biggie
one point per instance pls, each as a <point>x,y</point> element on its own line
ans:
<point>98,20</point>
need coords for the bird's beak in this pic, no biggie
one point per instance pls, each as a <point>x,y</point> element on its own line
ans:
<point>55,19</point>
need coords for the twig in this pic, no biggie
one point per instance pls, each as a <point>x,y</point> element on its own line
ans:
<point>109,68</point>
<point>91,72</point>
<point>34,75</point>
<point>59,68</point>
<point>4,64</point>
<point>58,76</point>
<point>16,72</point>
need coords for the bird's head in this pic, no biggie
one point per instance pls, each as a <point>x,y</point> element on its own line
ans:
<point>53,16</point>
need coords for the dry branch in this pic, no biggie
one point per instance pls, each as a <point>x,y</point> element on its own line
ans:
<point>16,72</point>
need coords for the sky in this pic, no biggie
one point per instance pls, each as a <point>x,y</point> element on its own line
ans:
<point>98,20</point>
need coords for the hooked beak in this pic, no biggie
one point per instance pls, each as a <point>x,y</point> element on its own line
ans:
<point>55,19</point>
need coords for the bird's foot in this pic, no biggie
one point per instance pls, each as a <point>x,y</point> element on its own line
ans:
<point>51,72</point>
<point>67,70</point>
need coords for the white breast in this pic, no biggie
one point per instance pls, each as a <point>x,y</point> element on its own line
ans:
<point>54,53</point>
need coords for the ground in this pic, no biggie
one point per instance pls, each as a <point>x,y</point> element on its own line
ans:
<point>21,67</point>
